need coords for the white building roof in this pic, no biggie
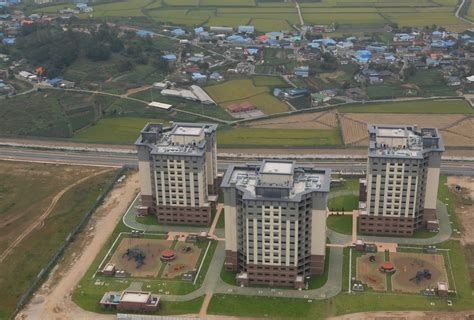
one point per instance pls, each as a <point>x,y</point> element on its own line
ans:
<point>139,297</point>
<point>160,105</point>
<point>277,167</point>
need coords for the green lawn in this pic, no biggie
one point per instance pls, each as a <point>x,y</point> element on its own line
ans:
<point>123,129</point>
<point>344,203</point>
<point>349,184</point>
<point>149,219</point>
<point>341,224</point>
<point>221,221</point>
<point>277,137</point>
<point>424,106</point>
<point>449,198</point>
<point>344,303</point>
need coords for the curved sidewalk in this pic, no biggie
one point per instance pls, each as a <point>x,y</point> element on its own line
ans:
<point>444,233</point>
<point>214,283</point>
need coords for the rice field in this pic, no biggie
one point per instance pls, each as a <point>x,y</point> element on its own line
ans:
<point>241,90</point>
<point>278,137</point>
<point>423,107</point>
<point>351,15</point>
<point>130,8</point>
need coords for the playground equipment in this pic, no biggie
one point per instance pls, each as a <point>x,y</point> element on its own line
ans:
<point>387,267</point>
<point>372,278</point>
<point>372,259</point>
<point>425,273</point>
<point>178,267</point>
<point>186,249</point>
<point>168,255</point>
<point>137,254</point>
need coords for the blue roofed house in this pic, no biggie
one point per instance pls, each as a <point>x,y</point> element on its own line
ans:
<point>178,32</point>
<point>302,71</point>
<point>362,56</point>
<point>216,76</point>
<point>55,81</point>
<point>246,29</point>
<point>199,77</point>
<point>326,41</point>
<point>169,56</point>
<point>198,30</point>
<point>275,35</point>
<point>145,33</point>
<point>9,40</point>
<point>252,51</point>
<point>237,38</point>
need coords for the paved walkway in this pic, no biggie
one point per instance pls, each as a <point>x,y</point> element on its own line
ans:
<point>443,234</point>
<point>214,284</point>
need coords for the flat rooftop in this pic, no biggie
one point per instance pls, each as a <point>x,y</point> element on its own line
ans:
<point>403,141</point>
<point>277,167</point>
<point>291,180</point>
<point>188,131</point>
<point>138,297</point>
<point>178,139</point>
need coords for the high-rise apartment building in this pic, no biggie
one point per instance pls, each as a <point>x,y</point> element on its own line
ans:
<point>275,222</point>
<point>402,180</point>
<point>178,171</point>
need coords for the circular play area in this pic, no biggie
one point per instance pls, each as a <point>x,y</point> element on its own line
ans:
<point>168,255</point>
<point>387,267</point>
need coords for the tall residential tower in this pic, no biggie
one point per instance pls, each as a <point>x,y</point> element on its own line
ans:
<point>402,180</point>
<point>178,171</point>
<point>275,222</point>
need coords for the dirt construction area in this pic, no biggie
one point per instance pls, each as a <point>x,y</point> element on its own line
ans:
<point>149,250</point>
<point>367,271</point>
<point>187,257</point>
<point>408,264</point>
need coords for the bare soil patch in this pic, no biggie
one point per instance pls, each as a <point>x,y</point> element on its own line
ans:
<point>408,264</point>
<point>368,273</point>
<point>185,261</point>
<point>454,127</point>
<point>151,248</point>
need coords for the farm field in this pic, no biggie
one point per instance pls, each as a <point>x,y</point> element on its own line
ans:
<point>452,126</point>
<point>124,129</point>
<point>351,16</point>
<point>316,120</point>
<point>423,107</point>
<point>42,183</point>
<point>50,114</point>
<point>277,137</point>
<point>226,93</point>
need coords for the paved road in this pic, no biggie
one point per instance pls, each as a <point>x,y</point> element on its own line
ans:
<point>465,168</point>
<point>458,11</point>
